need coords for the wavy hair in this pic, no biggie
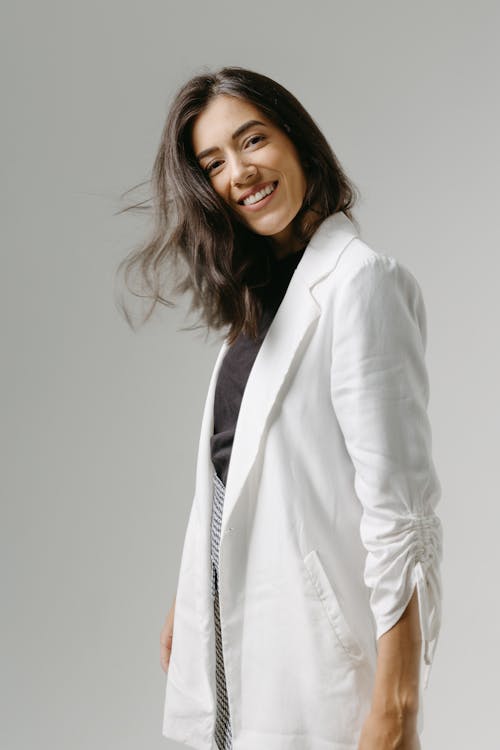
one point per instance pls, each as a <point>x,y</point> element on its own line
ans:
<point>196,242</point>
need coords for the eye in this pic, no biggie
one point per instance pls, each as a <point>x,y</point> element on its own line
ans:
<point>251,140</point>
<point>259,137</point>
<point>211,166</point>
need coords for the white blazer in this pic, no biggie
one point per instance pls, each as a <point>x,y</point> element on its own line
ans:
<point>329,513</point>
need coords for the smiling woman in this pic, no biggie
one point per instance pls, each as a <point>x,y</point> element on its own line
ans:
<point>229,135</point>
<point>254,167</point>
<point>309,593</point>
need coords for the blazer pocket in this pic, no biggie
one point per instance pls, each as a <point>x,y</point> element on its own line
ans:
<point>330,602</point>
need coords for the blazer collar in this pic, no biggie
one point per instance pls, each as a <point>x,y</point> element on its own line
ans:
<point>283,344</point>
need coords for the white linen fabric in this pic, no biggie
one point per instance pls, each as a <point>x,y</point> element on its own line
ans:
<point>380,393</point>
<point>328,523</point>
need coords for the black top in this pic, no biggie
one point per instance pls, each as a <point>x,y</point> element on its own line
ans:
<point>238,361</point>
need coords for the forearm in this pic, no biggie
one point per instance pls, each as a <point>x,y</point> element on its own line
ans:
<point>396,688</point>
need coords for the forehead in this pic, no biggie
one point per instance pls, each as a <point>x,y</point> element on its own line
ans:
<point>220,118</point>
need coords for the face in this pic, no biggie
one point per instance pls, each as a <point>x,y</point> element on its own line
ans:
<point>243,154</point>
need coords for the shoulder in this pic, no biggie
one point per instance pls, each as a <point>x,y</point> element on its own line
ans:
<point>373,291</point>
<point>364,264</point>
<point>369,274</point>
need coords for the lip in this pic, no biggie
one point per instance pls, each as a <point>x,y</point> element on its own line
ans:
<point>255,189</point>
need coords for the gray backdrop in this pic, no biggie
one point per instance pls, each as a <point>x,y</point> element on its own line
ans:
<point>100,425</point>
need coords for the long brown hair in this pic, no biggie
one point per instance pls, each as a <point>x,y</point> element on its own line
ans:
<point>196,243</point>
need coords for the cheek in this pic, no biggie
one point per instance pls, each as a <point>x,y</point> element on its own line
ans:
<point>273,157</point>
<point>221,186</point>
<point>298,179</point>
<point>293,170</point>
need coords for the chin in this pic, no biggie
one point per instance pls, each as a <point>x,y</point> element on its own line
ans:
<point>272,227</point>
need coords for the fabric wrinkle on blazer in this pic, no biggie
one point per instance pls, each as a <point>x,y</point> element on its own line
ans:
<point>329,518</point>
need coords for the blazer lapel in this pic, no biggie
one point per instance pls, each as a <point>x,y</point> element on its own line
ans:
<point>296,314</point>
<point>283,344</point>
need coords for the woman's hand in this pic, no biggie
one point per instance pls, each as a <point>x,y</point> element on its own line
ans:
<point>386,732</point>
<point>166,638</point>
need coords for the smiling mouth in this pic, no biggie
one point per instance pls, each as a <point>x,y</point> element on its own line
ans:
<point>274,185</point>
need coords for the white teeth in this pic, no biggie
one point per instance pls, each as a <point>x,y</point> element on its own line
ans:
<point>258,196</point>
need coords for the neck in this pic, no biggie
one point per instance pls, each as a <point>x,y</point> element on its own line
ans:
<point>286,242</point>
<point>281,250</point>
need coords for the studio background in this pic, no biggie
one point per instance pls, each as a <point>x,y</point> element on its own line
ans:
<point>100,425</point>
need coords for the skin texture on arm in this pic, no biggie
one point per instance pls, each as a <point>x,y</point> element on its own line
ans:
<point>391,722</point>
<point>166,638</point>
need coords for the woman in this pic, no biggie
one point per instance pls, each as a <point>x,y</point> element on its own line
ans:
<point>309,590</point>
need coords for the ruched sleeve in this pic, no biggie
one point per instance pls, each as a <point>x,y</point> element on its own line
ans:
<point>380,393</point>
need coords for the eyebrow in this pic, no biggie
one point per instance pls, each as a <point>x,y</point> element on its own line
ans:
<point>239,131</point>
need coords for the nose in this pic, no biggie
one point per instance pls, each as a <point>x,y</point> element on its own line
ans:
<point>241,171</point>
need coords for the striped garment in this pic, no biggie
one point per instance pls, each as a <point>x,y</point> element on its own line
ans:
<point>223,736</point>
